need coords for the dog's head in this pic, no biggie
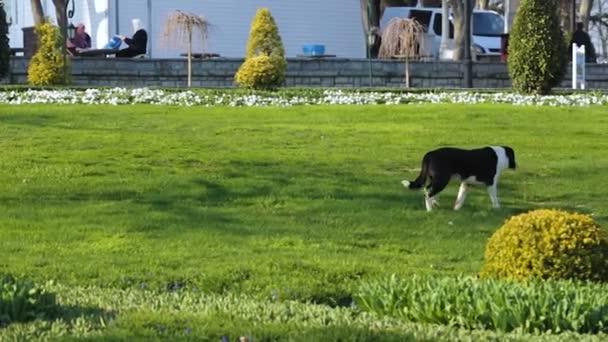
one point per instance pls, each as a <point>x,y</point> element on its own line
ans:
<point>511,156</point>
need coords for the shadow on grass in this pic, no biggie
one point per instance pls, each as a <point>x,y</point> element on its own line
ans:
<point>67,313</point>
<point>36,120</point>
<point>93,314</point>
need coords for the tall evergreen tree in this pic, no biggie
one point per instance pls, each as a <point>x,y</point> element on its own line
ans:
<point>537,50</point>
<point>4,47</point>
<point>265,65</point>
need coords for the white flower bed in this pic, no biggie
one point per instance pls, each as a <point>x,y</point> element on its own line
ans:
<point>123,96</point>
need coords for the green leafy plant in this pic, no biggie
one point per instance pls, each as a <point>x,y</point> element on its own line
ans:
<point>4,47</point>
<point>490,304</point>
<point>49,65</point>
<point>537,50</point>
<point>548,244</point>
<point>265,65</point>
<point>21,301</point>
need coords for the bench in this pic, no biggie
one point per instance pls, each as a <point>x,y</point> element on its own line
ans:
<point>15,51</point>
<point>95,52</point>
<point>199,55</point>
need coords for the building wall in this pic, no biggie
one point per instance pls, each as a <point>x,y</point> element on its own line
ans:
<point>302,72</point>
<point>336,23</point>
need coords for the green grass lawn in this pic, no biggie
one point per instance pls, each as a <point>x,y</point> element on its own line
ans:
<point>290,203</point>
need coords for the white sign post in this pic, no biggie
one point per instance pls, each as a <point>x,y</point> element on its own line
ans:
<point>578,66</point>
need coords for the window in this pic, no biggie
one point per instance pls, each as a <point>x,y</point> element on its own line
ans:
<point>488,24</point>
<point>437,26</point>
<point>423,17</point>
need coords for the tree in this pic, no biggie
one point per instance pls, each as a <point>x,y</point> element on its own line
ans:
<point>37,12</point>
<point>483,4</point>
<point>599,23</point>
<point>457,7</point>
<point>402,37</point>
<point>180,28</point>
<point>537,51</point>
<point>584,12</point>
<point>265,65</point>
<point>60,9</point>
<point>4,47</point>
<point>49,65</point>
<point>371,12</point>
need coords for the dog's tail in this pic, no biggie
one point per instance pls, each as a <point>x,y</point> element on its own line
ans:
<point>421,180</point>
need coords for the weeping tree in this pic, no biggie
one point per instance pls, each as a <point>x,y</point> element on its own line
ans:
<point>403,38</point>
<point>372,11</point>
<point>182,28</point>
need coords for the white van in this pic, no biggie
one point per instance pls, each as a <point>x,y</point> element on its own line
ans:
<point>488,26</point>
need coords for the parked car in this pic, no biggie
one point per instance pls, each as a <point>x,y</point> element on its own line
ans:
<point>487,29</point>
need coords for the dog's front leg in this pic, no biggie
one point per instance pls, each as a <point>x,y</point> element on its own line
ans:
<point>462,194</point>
<point>493,196</point>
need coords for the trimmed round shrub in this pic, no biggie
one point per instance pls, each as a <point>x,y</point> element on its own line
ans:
<point>4,47</point>
<point>548,244</point>
<point>48,65</point>
<point>261,72</point>
<point>265,51</point>
<point>537,49</point>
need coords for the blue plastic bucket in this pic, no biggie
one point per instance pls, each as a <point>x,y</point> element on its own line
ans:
<point>313,49</point>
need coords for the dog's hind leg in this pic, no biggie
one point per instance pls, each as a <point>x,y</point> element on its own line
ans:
<point>462,194</point>
<point>428,201</point>
<point>493,196</point>
<point>436,186</point>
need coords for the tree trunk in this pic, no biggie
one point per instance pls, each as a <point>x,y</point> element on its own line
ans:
<point>189,56</point>
<point>37,12</point>
<point>601,26</point>
<point>584,11</point>
<point>60,9</point>
<point>370,18</point>
<point>457,7</point>
<point>371,12</point>
<point>430,3</point>
<point>565,14</point>
<point>483,4</point>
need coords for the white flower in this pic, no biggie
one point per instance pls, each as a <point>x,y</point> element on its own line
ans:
<point>123,96</point>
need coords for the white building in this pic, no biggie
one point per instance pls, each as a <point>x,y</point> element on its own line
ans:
<point>335,24</point>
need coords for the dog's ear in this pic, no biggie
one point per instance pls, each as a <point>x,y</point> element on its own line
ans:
<point>511,156</point>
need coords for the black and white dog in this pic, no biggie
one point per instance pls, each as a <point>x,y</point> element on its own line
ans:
<point>478,166</point>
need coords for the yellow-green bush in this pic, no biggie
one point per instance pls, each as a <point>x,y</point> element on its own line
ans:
<point>261,72</point>
<point>264,51</point>
<point>48,66</point>
<point>548,244</point>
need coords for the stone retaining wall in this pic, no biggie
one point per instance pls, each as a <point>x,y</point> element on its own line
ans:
<point>302,72</point>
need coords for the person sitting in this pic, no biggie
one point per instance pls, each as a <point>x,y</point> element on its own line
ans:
<point>136,44</point>
<point>581,38</point>
<point>81,41</point>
